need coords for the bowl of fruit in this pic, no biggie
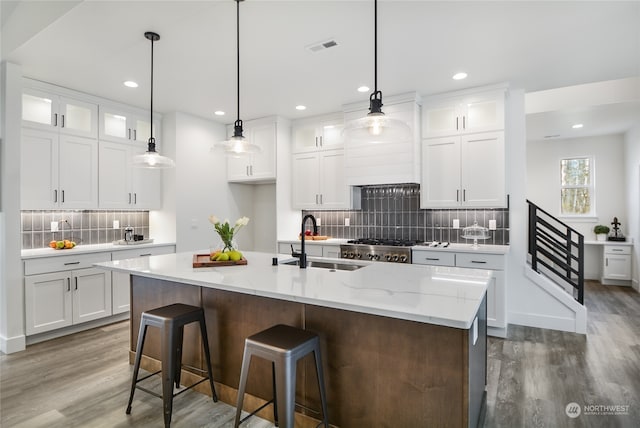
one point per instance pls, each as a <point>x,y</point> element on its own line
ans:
<point>62,245</point>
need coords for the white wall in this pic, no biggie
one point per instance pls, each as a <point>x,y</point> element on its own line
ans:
<point>201,187</point>
<point>12,337</point>
<point>543,185</point>
<point>632,178</point>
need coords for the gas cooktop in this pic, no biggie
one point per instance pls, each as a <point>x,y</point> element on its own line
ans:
<point>387,242</point>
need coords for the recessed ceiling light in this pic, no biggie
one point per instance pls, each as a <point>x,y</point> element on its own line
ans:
<point>460,76</point>
<point>301,107</point>
<point>363,89</point>
<point>577,126</point>
<point>218,113</point>
<point>130,84</point>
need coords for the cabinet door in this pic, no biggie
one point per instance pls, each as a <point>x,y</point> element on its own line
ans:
<point>305,138</point>
<point>78,172</point>
<point>48,302</point>
<point>39,110</point>
<point>617,266</point>
<point>114,175</point>
<point>440,173</point>
<point>114,125</point>
<point>91,294</point>
<point>305,177</point>
<point>39,170</point>
<point>238,167</point>
<point>146,186</point>
<point>483,170</point>
<point>263,164</point>
<point>483,112</point>
<point>441,119</point>
<point>331,134</point>
<point>78,118</point>
<point>334,192</point>
<point>120,292</point>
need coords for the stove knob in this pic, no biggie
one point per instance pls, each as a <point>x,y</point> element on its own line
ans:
<point>388,257</point>
<point>376,257</point>
<point>350,255</point>
<point>358,255</point>
<point>344,255</point>
<point>370,256</point>
<point>403,259</point>
<point>395,257</point>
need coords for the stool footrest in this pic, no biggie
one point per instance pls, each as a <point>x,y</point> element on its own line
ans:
<point>148,391</point>
<point>148,376</point>
<point>256,411</point>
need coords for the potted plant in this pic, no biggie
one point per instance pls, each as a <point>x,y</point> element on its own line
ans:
<point>601,232</point>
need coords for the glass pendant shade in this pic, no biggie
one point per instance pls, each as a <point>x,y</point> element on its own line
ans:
<point>376,128</point>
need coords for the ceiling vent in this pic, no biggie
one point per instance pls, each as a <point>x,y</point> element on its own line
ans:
<point>320,46</point>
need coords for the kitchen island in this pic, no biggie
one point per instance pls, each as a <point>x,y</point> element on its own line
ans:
<point>402,345</point>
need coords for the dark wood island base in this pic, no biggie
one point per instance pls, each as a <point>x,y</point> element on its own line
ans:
<point>379,371</point>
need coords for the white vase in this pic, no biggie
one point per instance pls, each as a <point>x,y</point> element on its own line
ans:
<point>601,237</point>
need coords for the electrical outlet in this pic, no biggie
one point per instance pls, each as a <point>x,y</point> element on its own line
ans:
<point>347,221</point>
<point>456,223</point>
<point>492,225</point>
<point>194,223</point>
<point>116,224</point>
<point>54,226</point>
<point>318,222</point>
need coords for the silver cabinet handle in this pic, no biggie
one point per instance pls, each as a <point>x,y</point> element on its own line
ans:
<point>135,198</point>
<point>62,197</point>
<point>68,284</point>
<point>71,263</point>
<point>457,195</point>
<point>62,117</point>
<point>316,141</point>
<point>478,261</point>
<point>321,141</point>
<point>431,258</point>
<point>135,134</point>
<point>146,254</point>
<point>606,261</point>
<point>55,195</point>
<point>76,282</point>
<point>250,169</point>
<point>129,133</point>
<point>616,249</point>
<point>464,122</point>
<point>320,198</point>
<point>55,119</point>
<point>129,197</point>
<point>456,123</point>
<point>464,195</point>
<point>316,199</point>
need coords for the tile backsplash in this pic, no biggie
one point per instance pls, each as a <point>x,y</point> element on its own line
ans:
<point>393,212</point>
<point>83,227</point>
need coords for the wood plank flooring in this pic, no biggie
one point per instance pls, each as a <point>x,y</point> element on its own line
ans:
<point>82,380</point>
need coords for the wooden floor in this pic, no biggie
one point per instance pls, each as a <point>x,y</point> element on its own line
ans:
<point>83,380</point>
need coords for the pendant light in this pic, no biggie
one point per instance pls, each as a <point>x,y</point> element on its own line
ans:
<point>238,145</point>
<point>151,158</point>
<point>376,127</point>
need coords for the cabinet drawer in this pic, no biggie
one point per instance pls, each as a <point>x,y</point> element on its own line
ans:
<point>142,252</point>
<point>480,261</point>
<point>435,258</point>
<point>617,249</point>
<point>62,263</point>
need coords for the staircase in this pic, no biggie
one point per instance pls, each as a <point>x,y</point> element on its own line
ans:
<point>556,261</point>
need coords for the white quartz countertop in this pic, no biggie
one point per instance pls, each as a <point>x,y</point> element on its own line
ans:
<point>446,296</point>
<point>466,248</point>
<point>85,249</point>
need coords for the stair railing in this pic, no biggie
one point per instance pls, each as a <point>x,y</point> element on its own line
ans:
<point>558,247</point>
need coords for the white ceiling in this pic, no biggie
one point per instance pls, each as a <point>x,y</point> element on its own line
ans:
<point>93,46</point>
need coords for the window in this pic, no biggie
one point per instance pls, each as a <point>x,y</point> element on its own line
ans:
<point>576,187</point>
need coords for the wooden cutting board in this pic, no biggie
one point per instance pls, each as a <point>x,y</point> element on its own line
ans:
<point>204,260</point>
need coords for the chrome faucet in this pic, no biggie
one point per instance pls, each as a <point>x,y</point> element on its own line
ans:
<point>303,254</point>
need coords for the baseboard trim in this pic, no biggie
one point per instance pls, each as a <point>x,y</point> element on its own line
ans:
<point>497,332</point>
<point>543,321</point>
<point>10,345</point>
<point>54,334</point>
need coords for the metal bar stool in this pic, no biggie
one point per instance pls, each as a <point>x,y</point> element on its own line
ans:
<point>283,345</point>
<point>171,321</point>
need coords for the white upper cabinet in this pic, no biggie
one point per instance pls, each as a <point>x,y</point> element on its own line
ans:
<point>58,171</point>
<point>123,186</point>
<point>463,171</point>
<point>258,167</point>
<point>471,113</point>
<point>52,112</point>
<point>386,162</point>
<point>320,133</point>
<point>122,125</point>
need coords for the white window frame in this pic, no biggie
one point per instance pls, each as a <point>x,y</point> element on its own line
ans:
<point>591,215</point>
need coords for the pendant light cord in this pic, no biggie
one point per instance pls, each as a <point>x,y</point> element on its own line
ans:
<point>238,54</point>
<point>375,46</point>
<point>151,140</point>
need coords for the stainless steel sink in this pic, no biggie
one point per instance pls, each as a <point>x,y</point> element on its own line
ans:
<point>325,265</point>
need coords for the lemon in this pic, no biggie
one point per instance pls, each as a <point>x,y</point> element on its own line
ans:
<point>235,255</point>
<point>60,245</point>
<point>223,257</point>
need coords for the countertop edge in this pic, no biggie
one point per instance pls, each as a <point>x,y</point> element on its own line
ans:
<point>87,249</point>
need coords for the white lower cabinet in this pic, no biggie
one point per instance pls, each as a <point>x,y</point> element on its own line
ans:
<point>60,299</point>
<point>120,282</point>
<point>496,290</point>
<point>616,264</point>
